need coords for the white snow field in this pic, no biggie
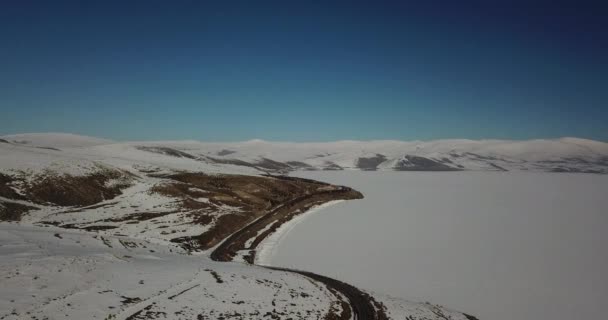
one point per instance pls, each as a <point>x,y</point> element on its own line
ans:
<point>499,245</point>
<point>85,234</point>
<point>52,273</point>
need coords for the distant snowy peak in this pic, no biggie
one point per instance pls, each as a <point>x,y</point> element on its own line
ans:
<point>23,151</point>
<point>555,155</point>
<point>53,140</point>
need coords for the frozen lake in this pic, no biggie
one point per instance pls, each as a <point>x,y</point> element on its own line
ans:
<point>500,246</point>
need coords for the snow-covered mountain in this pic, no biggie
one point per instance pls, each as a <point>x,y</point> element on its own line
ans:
<point>54,140</point>
<point>69,152</point>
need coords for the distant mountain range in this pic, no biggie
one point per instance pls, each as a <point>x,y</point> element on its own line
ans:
<point>71,152</point>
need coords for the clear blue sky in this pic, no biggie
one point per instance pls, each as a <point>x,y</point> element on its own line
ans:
<point>304,70</point>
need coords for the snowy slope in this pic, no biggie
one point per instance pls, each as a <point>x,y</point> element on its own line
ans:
<point>542,155</point>
<point>55,140</point>
<point>50,273</point>
<point>111,190</point>
<point>257,156</point>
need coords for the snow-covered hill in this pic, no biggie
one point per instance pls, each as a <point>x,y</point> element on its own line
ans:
<point>69,152</point>
<point>52,273</point>
<point>54,140</point>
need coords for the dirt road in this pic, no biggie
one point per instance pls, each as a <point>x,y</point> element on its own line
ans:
<point>363,306</point>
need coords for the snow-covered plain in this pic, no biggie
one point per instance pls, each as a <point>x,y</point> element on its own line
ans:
<point>498,245</point>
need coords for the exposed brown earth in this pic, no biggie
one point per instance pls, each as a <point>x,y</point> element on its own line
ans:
<point>276,217</point>
<point>298,165</point>
<point>265,165</point>
<point>330,166</point>
<point>6,190</point>
<point>225,152</point>
<point>235,162</point>
<point>272,165</point>
<point>334,314</point>
<point>416,163</point>
<point>470,317</point>
<point>252,196</point>
<point>370,163</point>
<point>76,190</point>
<point>10,211</point>
<point>67,190</point>
<point>167,151</point>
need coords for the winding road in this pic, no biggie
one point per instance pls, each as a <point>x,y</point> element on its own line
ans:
<point>363,306</point>
<point>361,303</point>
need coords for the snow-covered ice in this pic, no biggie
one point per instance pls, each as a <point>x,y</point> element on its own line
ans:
<point>497,245</point>
<point>266,249</point>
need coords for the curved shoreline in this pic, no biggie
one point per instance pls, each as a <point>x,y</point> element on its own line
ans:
<point>249,237</point>
<point>268,247</point>
<point>362,305</point>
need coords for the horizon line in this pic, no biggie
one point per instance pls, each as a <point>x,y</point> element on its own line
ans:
<point>258,140</point>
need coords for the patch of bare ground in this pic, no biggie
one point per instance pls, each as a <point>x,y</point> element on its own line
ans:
<point>278,214</point>
<point>340,309</point>
<point>215,276</point>
<point>248,197</point>
<point>417,163</point>
<point>225,152</point>
<point>76,191</point>
<point>255,191</point>
<point>131,218</point>
<point>6,188</point>
<point>10,211</point>
<point>272,165</point>
<point>299,165</point>
<point>370,163</point>
<point>264,164</point>
<point>470,317</point>
<point>95,206</point>
<point>141,216</point>
<point>128,300</point>
<point>146,313</point>
<point>330,166</point>
<point>167,151</point>
<point>98,228</point>
<point>363,306</point>
<point>48,148</point>
<point>235,162</point>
